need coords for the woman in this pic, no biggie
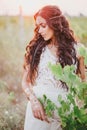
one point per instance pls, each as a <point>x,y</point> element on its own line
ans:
<point>53,42</point>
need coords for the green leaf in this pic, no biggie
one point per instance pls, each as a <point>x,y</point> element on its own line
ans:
<point>44,97</point>
<point>83,52</point>
<point>59,98</point>
<point>56,70</point>
<point>71,98</point>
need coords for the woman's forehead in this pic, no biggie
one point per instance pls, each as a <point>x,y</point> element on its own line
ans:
<point>40,20</point>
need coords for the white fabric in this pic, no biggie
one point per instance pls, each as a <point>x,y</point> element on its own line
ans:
<point>48,85</point>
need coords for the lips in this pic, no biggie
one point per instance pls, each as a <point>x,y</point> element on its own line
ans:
<point>42,35</point>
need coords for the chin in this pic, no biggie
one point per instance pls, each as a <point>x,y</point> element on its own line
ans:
<point>46,39</point>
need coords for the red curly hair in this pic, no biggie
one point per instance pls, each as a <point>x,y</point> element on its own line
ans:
<point>63,34</point>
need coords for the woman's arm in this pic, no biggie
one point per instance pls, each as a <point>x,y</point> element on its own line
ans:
<point>27,88</point>
<point>37,107</point>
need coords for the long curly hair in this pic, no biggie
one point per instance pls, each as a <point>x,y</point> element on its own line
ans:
<point>64,37</point>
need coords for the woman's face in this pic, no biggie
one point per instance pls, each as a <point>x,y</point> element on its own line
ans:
<point>45,31</point>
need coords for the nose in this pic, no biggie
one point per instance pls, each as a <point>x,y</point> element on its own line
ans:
<point>40,30</point>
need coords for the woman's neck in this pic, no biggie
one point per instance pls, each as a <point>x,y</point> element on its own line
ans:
<point>53,44</point>
<point>53,48</point>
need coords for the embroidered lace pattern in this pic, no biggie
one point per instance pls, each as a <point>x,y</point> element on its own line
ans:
<point>45,76</point>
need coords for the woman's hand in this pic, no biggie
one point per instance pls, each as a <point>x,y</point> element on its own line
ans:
<point>37,109</point>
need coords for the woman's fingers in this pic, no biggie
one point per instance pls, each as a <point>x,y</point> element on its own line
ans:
<point>40,115</point>
<point>46,119</point>
<point>35,114</point>
<point>38,111</point>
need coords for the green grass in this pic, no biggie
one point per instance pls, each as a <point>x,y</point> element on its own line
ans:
<point>13,41</point>
<point>79,26</point>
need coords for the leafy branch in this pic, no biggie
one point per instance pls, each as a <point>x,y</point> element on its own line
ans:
<point>73,111</point>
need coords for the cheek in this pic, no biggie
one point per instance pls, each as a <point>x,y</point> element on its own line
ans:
<point>50,33</point>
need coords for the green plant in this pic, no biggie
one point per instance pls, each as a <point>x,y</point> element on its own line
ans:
<point>73,111</point>
<point>72,114</point>
<point>82,50</point>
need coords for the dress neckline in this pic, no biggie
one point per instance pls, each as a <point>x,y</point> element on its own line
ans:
<point>54,57</point>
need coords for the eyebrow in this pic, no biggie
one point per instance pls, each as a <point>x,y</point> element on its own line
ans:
<point>39,24</point>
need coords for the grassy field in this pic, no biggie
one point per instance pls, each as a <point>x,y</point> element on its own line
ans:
<point>78,24</point>
<point>15,33</point>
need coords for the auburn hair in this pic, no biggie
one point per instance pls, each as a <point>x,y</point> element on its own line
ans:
<point>64,36</point>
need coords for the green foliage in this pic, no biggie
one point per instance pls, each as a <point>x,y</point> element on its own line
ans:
<point>73,111</point>
<point>12,49</point>
<point>79,27</point>
<point>3,85</point>
<point>11,110</point>
<point>11,96</point>
<point>49,106</point>
<point>82,50</point>
<point>11,114</point>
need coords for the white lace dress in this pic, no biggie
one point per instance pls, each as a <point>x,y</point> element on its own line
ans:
<point>48,85</point>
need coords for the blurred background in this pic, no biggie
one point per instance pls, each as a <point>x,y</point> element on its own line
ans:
<point>16,30</point>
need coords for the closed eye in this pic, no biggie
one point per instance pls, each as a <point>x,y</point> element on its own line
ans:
<point>40,25</point>
<point>43,25</point>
